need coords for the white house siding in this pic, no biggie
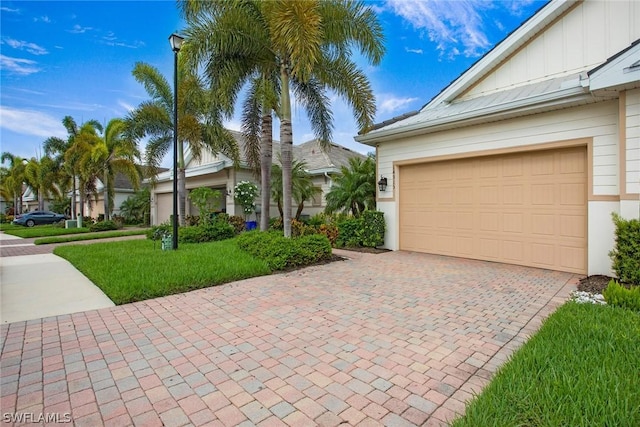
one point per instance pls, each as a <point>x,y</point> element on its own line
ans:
<point>582,39</point>
<point>596,122</point>
<point>633,141</point>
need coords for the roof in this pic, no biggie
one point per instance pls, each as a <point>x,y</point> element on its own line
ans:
<point>318,161</point>
<point>448,109</point>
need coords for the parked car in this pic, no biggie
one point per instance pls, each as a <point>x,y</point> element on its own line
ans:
<point>30,219</point>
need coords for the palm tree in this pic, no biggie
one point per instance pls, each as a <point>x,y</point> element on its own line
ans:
<point>355,189</point>
<point>307,45</point>
<point>14,179</point>
<point>59,147</point>
<point>115,153</point>
<point>199,124</point>
<point>302,186</point>
<point>41,175</point>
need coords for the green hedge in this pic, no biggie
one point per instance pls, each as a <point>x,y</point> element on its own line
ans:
<point>103,226</point>
<point>281,253</point>
<point>367,230</point>
<point>218,230</point>
<point>626,252</point>
<point>619,296</point>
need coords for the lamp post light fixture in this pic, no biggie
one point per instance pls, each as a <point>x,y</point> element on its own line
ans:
<point>382,184</point>
<point>176,43</point>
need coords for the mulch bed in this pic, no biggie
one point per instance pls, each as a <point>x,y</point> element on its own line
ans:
<point>594,284</point>
<point>367,250</point>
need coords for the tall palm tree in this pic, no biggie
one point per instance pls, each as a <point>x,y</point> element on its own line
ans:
<point>354,190</point>
<point>14,179</point>
<point>308,46</point>
<point>198,122</point>
<point>115,152</point>
<point>86,170</point>
<point>41,175</point>
<point>58,148</point>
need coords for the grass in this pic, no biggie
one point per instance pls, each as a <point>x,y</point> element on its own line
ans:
<point>40,230</point>
<point>580,369</point>
<point>87,236</point>
<point>136,270</point>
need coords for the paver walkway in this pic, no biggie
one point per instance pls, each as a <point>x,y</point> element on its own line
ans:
<point>394,339</point>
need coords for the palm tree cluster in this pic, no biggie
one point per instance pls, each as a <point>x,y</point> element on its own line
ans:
<point>272,53</point>
<point>282,49</point>
<point>76,163</point>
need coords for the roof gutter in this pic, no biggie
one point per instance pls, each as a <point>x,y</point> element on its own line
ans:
<point>560,98</point>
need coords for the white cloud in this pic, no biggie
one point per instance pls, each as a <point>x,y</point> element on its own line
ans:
<point>18,65</point>
<point>44,19</point>
<point>27,46</point>
<point>77,29</point>
<point>447,23</point>
<point>29,122</point>
<point>416,51</point>
<point>126,105</point>
<point>9,10</point>
<point>389,104</point>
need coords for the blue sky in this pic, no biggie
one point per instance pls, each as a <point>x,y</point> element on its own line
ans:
<point>75,58</point>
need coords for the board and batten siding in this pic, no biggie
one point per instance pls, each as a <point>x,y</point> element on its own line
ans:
<point>585,37</point>
<point>633,141</point>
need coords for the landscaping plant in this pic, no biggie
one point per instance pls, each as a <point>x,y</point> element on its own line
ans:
<point>618,296</point>
<point>626,252</point>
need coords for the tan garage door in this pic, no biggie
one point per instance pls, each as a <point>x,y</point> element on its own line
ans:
<point>165,207</point>
<point>527,209</point>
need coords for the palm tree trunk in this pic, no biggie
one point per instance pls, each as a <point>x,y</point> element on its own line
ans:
<point>266,158</point>
<point>105,192</point>
<point>299,211</point>
<point>74,212</point>
<point>40,200</point>
<point>81,202</point>
<point>286,148</point>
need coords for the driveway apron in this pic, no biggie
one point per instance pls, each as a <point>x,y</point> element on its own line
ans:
<point>393,339</point>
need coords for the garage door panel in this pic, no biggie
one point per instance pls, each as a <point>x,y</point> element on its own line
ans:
<point>527,209</point>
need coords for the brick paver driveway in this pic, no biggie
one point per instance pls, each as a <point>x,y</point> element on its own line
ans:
<point>393,339</point>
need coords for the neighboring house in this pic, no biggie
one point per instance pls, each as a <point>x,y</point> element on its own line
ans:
<point>123,188</point>
<point>218,173</point>
<point>523,158</point>
<point>30,200</point>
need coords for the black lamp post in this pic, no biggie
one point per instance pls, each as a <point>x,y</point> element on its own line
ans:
<point>176,44</point>
<point>382,184</point>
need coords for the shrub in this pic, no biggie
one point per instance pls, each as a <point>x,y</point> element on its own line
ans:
<point>8,219</point>
<point>372,234</point>
<point>237,222</point>
<point>157,231</point>
<point>190,220</point>
<point>103,226</point>
<point>280,252</point>
<point>275,224</point>
<point>299,228</point>
<point>626,252</point>
<point>244,194</point>
<point>87,221</point>
<point>218,230</point>
<point>619,296</point>
<point>330,231</point>
<point>349,233</point>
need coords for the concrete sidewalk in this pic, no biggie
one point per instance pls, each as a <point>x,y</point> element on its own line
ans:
<point>37,286</point>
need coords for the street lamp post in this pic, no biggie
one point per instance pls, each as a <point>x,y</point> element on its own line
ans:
<point>176,44</point>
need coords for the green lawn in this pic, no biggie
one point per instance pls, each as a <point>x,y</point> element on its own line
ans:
<point>136,270</point>
<point>40,230</point>
<point>581,369</point>
<point>88,236</point>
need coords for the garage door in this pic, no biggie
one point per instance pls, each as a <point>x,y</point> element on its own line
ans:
<point>526,209</point>
<point>164,207</point>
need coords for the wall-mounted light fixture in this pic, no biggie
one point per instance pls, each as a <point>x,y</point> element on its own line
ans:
<point>382,184</point>
<point>228,193</point>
